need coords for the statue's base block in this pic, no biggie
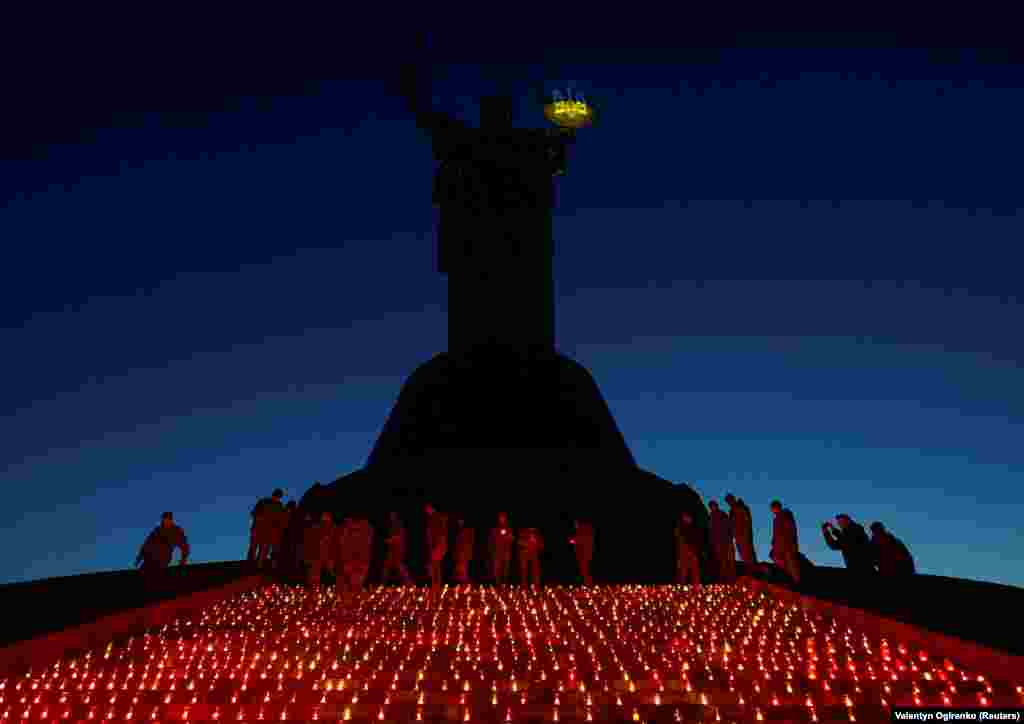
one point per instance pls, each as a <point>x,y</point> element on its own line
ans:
<point>530,436</point>
<point>501,399</point>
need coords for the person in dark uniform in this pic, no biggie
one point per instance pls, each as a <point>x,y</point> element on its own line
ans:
<point>464,541</point>
<point>158,549</point>
<point>851,540</point>
<point>356,551</point>
<point>688,546</point>
<point>394,560</point>
<point>890,554</point>
<point>530,546</point>
<point>785,541</point>
<point>501,549</point>
<point>289,552</point>
<point>318,549</point>
<point>583,541</point>
<point>266,516</point>
<point>723,543</point>
<point>280,527</point>
<point>437,545</point>
<point>743,529</point>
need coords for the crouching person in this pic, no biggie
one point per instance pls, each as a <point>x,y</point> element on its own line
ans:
<point>158,549</point>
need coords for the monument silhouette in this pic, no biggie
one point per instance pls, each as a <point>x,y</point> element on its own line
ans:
<point>502,421</point>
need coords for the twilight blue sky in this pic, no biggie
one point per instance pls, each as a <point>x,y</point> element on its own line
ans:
<point>794,273</point>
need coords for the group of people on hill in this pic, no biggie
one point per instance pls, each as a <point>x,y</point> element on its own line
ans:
<point>883,553</point>
<point>345,550</point>
<point>270,519</point>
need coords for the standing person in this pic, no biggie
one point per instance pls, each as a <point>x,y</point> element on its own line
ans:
<point>158,549</point>
<point>743,529</point>
<point>289,511</point>
<point>278,527</point>
<point>530,546</point>
<point>501,549</point>
<point>464,541</point>
<point>723,543</point>
<point>785,541</point>
<point>318,552</point>
<point>357,552</point>
<point>264,519</point>
<point>688,545</point>
<point>340,547</point>
<point>394,560</point>
<point>852,541</point>
<point>290,554</point>
<point>890,555</point>
<point>583,540</point>
<point>437,545</point>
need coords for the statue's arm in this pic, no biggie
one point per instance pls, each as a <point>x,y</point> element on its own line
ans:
<point>558,141</point>
<point>438,123</point>
<point>416,93</point>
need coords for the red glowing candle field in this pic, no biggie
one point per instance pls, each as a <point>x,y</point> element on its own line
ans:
<point>483,654</point>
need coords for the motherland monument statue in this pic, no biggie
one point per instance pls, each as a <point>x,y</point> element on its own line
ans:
<point>502,420</point>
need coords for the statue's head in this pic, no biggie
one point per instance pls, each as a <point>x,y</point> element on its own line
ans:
<point>496,111</point>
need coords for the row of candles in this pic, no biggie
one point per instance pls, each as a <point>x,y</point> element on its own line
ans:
<point>484,653</point>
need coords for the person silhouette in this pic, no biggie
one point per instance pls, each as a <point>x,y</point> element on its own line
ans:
<point>723,542</point>
<point>743,528</point>
<point>437,545</point>
<point>785,541</point>
<point>266,515</point>
<point>890,554</point>
<point>688,547</point>
<point>530,546</point>
<point>501,549</point>
<point>158,549</point>
<point>394,561</point>
<point>318,549</point>
<point>583,542</point>
<point>851,540</point>
<point>464,543</point>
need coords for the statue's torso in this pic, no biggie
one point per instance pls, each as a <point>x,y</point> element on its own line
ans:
<point>497,172</point>
<point>495,193</point>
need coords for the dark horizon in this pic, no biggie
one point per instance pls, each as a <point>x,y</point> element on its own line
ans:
<point>788,260</point>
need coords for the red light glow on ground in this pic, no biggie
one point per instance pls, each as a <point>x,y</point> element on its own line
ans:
<point>486,654</point>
